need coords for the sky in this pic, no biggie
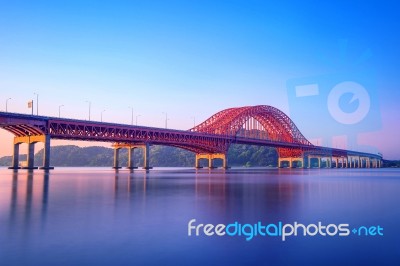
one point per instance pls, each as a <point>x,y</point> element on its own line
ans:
<point>321,63</point>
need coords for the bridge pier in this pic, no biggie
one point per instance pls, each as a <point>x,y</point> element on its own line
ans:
<point>30,156</point>
<point>46,154</point>
<point>291,161</point>
<point>31,141</point>
<point>328,162</point>
<point>15,158</point>
<point>131,163</point>
<point>210,157</point>
<point>146,154</point>
<point>116,158</point>
<point>281,160</point>
<point>131,147</point>
<point>314,157</point>
<point>336,162</point>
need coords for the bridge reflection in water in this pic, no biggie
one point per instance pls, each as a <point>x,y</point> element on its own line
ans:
<point>253,125</point>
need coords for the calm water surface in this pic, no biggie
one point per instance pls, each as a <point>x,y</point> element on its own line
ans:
<point>96,216</point>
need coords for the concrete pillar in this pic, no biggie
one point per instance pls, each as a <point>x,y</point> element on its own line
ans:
<point>301,161</point>
<point>15,159</point>
<point>319,161</point>
<point>131,163</point>
<point>309,162</point>
<point>46,153</point>
<point>337,162</point>
<point>116,158</point>
<point>31,154</point>
<point>289,160</point>
<point>146,158</point>
<point>210,162</point>
<point>197,161</point>
<point>329,162</point>
<point>225,162</point>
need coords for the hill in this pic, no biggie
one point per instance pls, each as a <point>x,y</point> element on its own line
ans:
<point>161,156</point>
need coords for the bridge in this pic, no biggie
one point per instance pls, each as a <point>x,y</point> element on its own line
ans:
<point>260,125</point>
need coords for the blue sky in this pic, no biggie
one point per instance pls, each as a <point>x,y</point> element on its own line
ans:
<point>194,58</point>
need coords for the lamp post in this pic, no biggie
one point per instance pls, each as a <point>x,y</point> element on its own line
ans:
<point>7,104</point>
<point>37,103</point>
<point>166,119</point>
<point>194,121</point>
<point>90,105</point>
<point>59,110</point>
<point>136,118</point>
<point>101,116</point>
<point>131,114</point>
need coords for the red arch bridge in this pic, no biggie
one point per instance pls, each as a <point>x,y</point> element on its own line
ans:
<point>254,125</point>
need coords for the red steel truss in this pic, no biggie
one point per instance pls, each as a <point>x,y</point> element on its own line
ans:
<point>261,122</point>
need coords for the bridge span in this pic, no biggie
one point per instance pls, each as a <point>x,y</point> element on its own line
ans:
<point>260,125</point>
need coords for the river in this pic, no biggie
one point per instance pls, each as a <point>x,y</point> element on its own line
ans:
<point>97,216</point>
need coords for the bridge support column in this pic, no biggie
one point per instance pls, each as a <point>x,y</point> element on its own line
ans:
<point>298,161</point>
<point>197,162</point>
<point>30,161</point>
<point>280,160</point>
<point>337,162</point>
<point>210,162</point>
<point>328,162</point>
<point>116,158</point>
<point>30,156</point>
<point>46,153</point>
<point>301,160</point>
<point>146,154</point>
<point>314,157</point>
<point>211,157</point>
<point>15,158</point>
<point>131,163</point>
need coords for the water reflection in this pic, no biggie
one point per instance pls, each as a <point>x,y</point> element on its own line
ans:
<point>137,214</point>
<point>28,204</point>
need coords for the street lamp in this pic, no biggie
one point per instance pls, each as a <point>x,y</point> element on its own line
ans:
<point>90,105</point>
<point>166,119</point>
<point>136,118</point>
<point>101,116</point>
<point>132,114</point>
<point>7,104</point>
<point>194,121</point>
<point>59,110</point>
<point>37,103</point>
